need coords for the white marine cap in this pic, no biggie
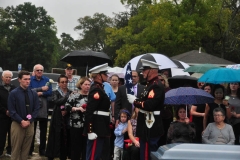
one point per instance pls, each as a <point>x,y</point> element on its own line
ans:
<point>146,64</point>
<point>101,68</point>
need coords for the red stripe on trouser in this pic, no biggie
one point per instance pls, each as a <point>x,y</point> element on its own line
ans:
<point>93,149</point>
<point>146,151</point>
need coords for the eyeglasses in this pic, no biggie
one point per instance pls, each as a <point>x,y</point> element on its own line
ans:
<point>161,79</point>
<point>64,82</point>
<point>39,70</point>
<point>217,115</point>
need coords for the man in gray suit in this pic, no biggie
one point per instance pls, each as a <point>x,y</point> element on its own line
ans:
<point>121,96</point>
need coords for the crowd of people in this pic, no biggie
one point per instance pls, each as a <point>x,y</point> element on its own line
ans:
<point>94,117</point>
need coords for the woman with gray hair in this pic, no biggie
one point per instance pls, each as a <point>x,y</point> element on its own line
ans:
<point>218,132</point>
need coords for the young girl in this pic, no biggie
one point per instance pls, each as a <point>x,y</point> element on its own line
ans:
<point>119,132</point>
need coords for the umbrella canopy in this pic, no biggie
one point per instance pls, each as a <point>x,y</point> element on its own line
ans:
<point>187,95</point>
<point>86,58</point>
<point>181,81</point>
<point>201,68</point>
<point>221,75</point>
<point>178,72</point>
<point>161,59</point>
<point>235,66</point>
<point>117,71</point>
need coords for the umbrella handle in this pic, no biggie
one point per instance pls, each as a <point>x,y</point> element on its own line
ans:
<point>186,111</point>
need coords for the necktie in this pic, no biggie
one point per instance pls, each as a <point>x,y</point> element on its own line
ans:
<point>27,102</point>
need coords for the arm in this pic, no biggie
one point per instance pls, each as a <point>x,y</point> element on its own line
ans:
<point>11,107</point>
<point>35,105</point>
<point>130,134</point>
<point>195,113</point>
<point>58,101</point>
<point>231,135</point>
<point>205,118</point>
<point>119,131</point>
<point>206,135</point>
<point>170,133</point>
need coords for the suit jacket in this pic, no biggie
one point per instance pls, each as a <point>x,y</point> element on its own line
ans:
<point>4,100</point>
<point>122,101</point>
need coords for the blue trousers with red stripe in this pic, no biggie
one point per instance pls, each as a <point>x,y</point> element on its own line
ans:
<point>94,148</point>
<point>153,146</point>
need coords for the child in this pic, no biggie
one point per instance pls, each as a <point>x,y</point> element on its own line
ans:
<point>119,132</point>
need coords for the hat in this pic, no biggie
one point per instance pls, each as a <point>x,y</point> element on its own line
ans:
<point>148,64</point>
<point>69,66</point>
<point>100,68</point>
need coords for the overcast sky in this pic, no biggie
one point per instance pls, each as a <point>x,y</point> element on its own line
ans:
<point>66,12</point>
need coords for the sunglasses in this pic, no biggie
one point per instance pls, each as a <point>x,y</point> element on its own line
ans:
<point>64,82</point>
<point>39,70</point>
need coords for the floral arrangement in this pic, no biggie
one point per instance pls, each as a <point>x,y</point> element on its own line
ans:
<point>49,82</point>
<point>29,116</point>
<point>62,107</point>
<point>84,106</point>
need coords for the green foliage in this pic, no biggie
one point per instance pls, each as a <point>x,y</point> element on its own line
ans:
<point>174,27</point>
<point>30,36</point>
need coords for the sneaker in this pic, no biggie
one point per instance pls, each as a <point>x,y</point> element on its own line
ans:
<point>8,154</point>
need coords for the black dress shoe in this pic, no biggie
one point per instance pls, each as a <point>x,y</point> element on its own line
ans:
<point>42,153</point>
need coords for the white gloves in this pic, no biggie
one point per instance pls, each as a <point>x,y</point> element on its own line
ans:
<point>92,136</point>
<point>131,98</point>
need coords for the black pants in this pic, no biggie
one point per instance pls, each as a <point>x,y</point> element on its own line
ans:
<point>236,130</point>
<point>43,134</point>
<point>5,129</point>
<point>131,153</point>
<point>78,144</point>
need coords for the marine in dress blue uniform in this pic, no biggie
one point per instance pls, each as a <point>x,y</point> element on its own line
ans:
<point>151,102</point>
<point>97,113</point>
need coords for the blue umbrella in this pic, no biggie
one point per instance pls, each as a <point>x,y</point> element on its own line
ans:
<point>221,75</point>
<point>187,95</point>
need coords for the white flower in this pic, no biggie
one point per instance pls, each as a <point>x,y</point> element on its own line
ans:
<point>51,81</point>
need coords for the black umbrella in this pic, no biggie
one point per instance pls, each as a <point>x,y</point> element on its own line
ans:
<point>182,81</point>
<point>86,58</point>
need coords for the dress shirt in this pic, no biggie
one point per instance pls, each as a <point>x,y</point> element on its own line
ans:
<point>40,83</point>
<point>119,141</point>
<point>17,106</point>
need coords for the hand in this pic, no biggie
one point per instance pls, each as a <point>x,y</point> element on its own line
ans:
<point>137,144</point>
<point>40,93</point>
<point>25,124</point>
<point>113,120</point>
<point>131,98</point>
<point>203,114</point>
<point>44,88</point>
<point>81,109</point>
<point>186,120</point>
<point>234,114</point>
<point>225,102</point>
<point>64,113</point>
<point>7,113</point>
<point>92,136</point>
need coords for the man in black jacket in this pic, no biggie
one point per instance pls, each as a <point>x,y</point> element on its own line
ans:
<point>5,120</point>
<point>121,96</point>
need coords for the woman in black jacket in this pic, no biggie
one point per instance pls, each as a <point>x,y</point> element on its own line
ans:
<point>57,137</point>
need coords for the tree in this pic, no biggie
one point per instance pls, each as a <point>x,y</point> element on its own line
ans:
<point>31,37</point>
<point>93,31</point>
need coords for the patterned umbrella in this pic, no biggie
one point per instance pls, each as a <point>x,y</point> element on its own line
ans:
<point>187,95</point>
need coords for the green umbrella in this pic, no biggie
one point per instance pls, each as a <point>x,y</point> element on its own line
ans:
<point>201,68</point>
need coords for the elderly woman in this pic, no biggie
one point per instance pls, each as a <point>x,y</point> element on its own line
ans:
<point>58,137</point>
<point>181,131</point>
<point>76,106</point>
<point>218,132</point>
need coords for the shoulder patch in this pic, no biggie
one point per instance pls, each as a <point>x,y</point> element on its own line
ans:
<point>151,94</point>
<point>96,96</point>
